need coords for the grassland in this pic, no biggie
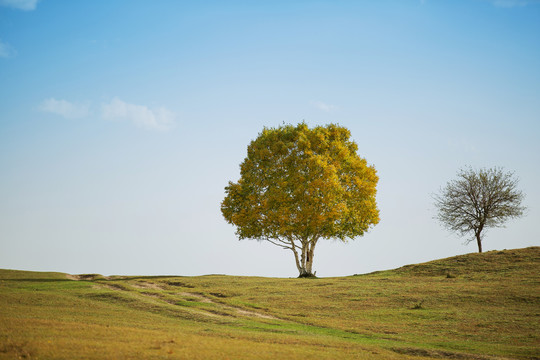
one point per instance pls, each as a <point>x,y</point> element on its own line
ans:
<point>476,306</point>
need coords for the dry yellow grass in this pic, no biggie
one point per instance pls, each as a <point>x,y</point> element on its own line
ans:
<point>477,306</point>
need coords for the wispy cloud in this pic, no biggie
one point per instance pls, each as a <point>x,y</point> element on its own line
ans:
<point>323,106</point>
<point>6,50</point>
<point>65,108</point>
<point>142,116</point>
<point>514,3</point>
<point>26,5</point>
<point>116,109</point>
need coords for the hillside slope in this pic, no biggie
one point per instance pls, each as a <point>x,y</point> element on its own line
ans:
<point>475,306</point>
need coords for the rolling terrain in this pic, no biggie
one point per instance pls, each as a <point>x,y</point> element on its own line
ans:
<point>475,306</point>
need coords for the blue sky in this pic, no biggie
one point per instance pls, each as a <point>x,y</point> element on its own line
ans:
<point>121,122</point>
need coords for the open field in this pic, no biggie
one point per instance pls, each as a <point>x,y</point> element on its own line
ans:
<point>476,306</point>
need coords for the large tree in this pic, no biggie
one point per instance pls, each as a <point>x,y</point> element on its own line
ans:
<point>477,200</point>
<point>299,185</point>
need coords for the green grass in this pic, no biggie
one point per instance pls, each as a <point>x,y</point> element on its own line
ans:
<point>476,306</point>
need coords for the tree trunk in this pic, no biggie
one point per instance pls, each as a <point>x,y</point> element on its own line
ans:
<point>306,261</point>
<point>479,242</point>
<point>478,236</point>
<point>298,265</point>
<point>309,262</point>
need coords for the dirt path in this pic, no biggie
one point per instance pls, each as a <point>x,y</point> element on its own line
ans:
<point>237,310</point>
<point>185,295</point>
<point>147,285</point>
<point>87,277</point>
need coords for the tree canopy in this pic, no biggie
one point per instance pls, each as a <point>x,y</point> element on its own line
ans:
<point>477,200</point>
<point>299,185</point>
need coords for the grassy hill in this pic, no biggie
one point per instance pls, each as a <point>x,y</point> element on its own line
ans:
<point>476,306</point>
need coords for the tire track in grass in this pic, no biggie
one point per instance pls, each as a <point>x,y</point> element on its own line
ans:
<point>237,310</point>
<point>206,300</point>
<point>154,300</point>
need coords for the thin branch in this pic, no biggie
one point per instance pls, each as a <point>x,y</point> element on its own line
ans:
<point>280,245</point>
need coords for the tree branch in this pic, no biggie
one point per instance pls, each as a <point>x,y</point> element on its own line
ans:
<point>278,243</point>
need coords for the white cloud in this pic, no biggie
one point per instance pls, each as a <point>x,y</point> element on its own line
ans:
<point>142,116</point>
<point>65,108</point>
<point>6,51</point>
<point>323,106</point>
<point>20,4</point>
<point>513,3</point>
<point>116,109</point>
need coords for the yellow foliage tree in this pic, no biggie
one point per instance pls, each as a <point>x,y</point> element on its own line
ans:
<point>299,185</point>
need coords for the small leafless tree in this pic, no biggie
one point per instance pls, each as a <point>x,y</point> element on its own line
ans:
<point>479,199</point>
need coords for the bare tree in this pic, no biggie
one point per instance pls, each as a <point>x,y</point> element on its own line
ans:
<point>479,199</point>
